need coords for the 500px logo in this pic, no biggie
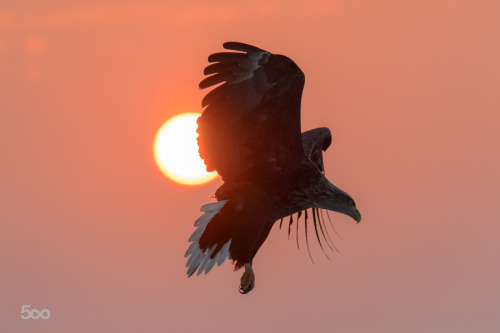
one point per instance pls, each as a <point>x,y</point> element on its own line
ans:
<point>34,313</point>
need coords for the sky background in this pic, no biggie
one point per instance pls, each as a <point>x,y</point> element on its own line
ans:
<point>93,231</point>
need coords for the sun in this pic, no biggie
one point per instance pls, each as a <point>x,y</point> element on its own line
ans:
<point>176,151</point>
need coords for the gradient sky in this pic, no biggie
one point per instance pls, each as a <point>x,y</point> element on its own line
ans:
<point>91,229</point>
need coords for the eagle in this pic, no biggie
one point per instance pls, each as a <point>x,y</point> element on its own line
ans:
<point>250,133</point>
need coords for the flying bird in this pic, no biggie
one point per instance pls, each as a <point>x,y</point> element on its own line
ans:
<point>250,134</point>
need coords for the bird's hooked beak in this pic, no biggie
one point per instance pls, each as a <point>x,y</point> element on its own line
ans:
<point>356,215</point>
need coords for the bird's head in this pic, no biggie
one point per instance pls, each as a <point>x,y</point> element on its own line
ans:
<point>339,201</point>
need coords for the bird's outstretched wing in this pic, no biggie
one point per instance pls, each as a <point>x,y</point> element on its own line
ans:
<point>315,142</point>
<point>251,125</point>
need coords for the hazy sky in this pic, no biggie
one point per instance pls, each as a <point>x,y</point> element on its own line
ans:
<point>91,229</point>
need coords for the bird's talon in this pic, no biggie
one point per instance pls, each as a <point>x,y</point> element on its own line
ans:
<point>247,280</point>
<point>245,291</point>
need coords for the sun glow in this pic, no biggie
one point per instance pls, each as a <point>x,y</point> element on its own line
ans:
<point>176,151</point>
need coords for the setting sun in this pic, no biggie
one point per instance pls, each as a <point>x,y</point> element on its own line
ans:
<point>176,151</point>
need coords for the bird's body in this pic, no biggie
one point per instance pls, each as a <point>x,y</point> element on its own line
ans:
<point>250,133</point>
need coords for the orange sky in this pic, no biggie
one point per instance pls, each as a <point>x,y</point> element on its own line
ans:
<point>91,230</point>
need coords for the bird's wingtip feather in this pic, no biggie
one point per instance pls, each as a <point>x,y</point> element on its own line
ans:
<point>238,46</point>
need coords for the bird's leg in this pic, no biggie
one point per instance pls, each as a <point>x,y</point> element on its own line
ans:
<point>247,280</point>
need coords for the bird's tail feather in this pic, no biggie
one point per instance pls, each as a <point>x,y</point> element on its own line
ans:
<point>204,260</point>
